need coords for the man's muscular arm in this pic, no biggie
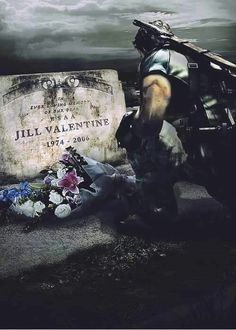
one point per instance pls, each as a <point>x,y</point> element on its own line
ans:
<point>156,93</point>
<point>156,96</point>
<point>155,99</point>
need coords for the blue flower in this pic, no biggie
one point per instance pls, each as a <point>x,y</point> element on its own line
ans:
<point>25,189</point>
<point>13,194</point>
<point>10,195</point>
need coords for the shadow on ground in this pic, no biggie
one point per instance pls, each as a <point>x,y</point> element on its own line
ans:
<point>178,274</point>
<point>146,280</point>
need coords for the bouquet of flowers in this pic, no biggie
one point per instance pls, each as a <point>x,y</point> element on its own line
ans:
<point>57,195</point>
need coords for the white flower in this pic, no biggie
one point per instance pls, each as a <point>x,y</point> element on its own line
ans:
<point>61,172</point>
<point>55,198</point>
<point>62,210</point>
<point>77,199</point>
<point>54,182</point>
<point>26,208</point>
<point>16,207</point>
<point>39,207</point>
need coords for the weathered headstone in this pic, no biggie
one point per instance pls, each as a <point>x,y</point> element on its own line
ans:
<point>42,114</point>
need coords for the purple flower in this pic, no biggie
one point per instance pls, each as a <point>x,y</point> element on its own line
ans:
<point>48,179</point>
<point>70,182</point>
<point>66,157</point>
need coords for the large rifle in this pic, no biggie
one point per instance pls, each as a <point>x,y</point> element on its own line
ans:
<point>186,47</point>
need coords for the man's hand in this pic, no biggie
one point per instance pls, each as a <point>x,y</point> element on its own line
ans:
<point>169,138</point>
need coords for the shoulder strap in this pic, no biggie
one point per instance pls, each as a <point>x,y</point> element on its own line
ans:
<point>193,78</point>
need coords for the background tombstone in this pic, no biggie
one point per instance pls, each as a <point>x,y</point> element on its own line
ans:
<point>42,114</point>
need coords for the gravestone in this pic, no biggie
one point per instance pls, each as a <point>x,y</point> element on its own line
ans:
<point>42,114</point>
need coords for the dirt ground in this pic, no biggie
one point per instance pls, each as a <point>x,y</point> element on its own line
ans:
<point>143,280</point>
<point>180,274</point>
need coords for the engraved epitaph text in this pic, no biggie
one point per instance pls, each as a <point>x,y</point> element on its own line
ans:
<point>42,114</point>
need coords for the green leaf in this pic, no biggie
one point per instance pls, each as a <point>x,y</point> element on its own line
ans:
<point>37,185</point>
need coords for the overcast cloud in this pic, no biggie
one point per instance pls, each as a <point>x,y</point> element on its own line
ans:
<point>102,29</point>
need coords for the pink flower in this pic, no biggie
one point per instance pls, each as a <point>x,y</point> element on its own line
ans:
<point>70,182</point>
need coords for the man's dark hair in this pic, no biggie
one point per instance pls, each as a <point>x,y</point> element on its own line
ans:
<point>145,41</point>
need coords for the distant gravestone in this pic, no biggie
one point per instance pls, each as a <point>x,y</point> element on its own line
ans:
<point>42,114</point>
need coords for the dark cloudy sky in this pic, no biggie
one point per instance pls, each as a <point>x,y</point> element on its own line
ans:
<point>54,35</point>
